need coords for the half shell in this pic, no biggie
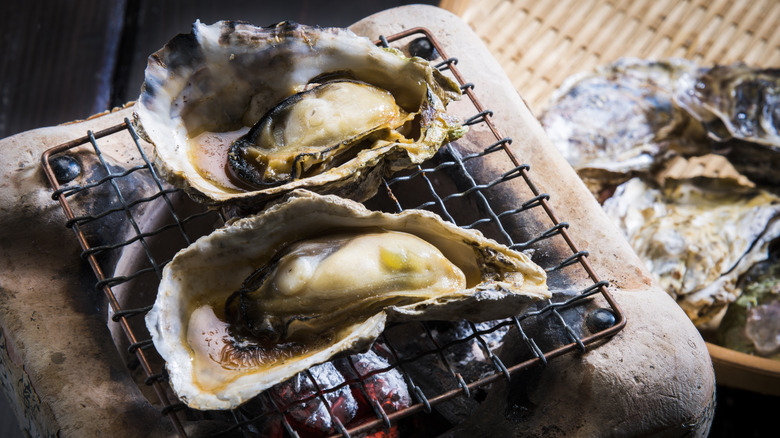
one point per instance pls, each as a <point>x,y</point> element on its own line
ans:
<point>218,357</point>
<point>204,90</point>
<point>697,242</point>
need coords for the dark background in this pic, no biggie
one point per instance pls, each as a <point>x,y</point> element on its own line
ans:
<point>67,60</point>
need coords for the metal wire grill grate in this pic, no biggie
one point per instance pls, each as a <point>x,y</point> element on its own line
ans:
<point>447,185</point>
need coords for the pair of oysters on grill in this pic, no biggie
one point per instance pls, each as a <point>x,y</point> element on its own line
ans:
<point>241,114</point>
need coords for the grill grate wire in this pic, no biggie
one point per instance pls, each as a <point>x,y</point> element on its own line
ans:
<point>423,178</point>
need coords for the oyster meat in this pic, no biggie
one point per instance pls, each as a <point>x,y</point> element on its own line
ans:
<point>312,277</point>
<point>243,114</point>
<point>286,144</point>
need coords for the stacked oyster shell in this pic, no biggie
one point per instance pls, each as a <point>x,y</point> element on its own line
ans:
<point>684,158</point>
<point>243,115</point>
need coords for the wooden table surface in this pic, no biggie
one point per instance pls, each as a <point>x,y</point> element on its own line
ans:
<point>67,60</point>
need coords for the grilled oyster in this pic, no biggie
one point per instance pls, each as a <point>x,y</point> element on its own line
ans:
<point>312,277</point>
<point>310,130</point>
<point>328,111</point>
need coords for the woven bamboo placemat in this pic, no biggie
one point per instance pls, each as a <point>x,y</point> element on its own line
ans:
<point>539,42</point>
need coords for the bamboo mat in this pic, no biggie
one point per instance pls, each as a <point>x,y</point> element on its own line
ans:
<point>539,42</point>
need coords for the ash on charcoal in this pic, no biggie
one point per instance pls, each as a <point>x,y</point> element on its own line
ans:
<point>313,414</point>
<point>434,366</point>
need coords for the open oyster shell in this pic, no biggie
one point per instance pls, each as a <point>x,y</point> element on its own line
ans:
<point>319,304</point>
<point>204,90</point>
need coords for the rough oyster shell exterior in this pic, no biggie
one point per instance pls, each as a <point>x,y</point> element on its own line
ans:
<point>615,122</point>
<point>737,101</point>
<point>697,242</point>
<point>684,160</point>
<point>626,118</point>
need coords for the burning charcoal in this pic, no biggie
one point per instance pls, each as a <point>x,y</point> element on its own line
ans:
<point>313,414</point>
<point>392,433</point>
<point>388,388</point>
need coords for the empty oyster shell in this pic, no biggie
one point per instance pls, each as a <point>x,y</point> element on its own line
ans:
<point>737,101</point>
<point>684,159</point>
<point>373,111</point>
<point>697,242</point>
<point>616,122</point>
<point>312,277</point>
